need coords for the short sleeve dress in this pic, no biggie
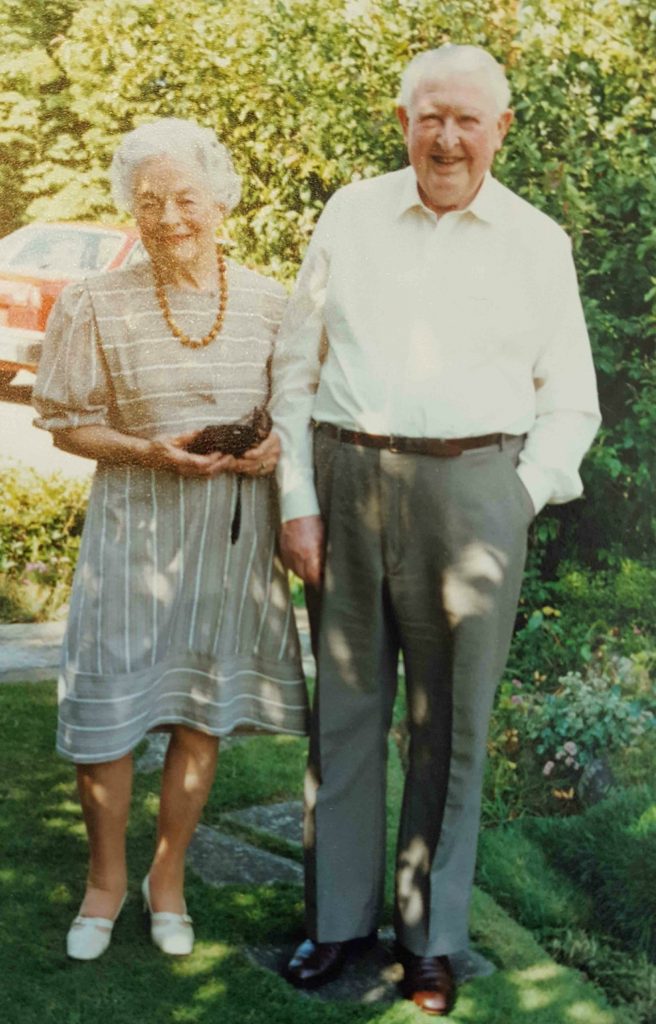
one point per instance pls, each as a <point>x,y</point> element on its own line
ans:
<point>169,621</point>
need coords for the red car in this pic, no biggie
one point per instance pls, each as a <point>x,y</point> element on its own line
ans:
<point>36,262</point>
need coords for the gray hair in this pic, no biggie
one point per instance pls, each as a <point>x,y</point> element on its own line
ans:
<point>433,65</point>
<point>180,140</point>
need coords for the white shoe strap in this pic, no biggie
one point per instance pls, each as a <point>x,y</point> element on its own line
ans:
<point>94,922</point>
<point>164,917</point>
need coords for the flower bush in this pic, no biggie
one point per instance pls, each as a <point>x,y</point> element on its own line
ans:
<point>547,744</point>
<point>590,714</point>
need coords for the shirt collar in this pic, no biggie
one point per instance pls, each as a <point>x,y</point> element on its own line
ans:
<point>484,206</point>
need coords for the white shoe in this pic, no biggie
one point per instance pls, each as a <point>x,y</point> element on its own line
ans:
<point>89,937</point>
<point>172,933</point>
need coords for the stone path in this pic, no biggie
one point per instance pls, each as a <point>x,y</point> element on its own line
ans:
<point>282,821</point>
<point>29,652</point>
<point>374,976</point>
<point>223,860</point>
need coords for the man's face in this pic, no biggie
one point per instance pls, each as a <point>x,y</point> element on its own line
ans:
<point>452,129</point>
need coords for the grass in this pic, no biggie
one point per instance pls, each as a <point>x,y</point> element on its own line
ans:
<point>584,885</point>
<point>42,867</point>
<point>608,850</point>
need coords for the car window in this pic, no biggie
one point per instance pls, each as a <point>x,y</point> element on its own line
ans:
<point>137,254</point>
<point>59,252</point>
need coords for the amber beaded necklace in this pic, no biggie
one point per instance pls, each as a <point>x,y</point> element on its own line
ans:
<point>176,331</point>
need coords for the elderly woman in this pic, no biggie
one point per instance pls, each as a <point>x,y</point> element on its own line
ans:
<point>180,613</point>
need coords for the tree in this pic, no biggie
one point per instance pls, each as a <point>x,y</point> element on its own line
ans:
<point>302,91</point>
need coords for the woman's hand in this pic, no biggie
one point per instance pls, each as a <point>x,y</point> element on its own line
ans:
<point>109,445</point>
<point>113,446</point>
<point>258,461</point>
<point>170,453</point>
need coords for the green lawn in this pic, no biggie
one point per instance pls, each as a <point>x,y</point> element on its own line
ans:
<point>42,869</point>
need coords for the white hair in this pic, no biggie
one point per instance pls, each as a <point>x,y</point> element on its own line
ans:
<point>182,141</point>
<point>432,65</point>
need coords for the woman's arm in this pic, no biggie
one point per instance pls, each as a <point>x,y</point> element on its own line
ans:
<point>108,445</point>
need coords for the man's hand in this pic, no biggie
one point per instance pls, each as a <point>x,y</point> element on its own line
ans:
<point>301,548</point>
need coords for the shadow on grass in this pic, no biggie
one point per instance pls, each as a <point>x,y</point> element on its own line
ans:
<point>42,870</point>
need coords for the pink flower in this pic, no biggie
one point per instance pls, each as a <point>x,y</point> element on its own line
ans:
<point>548,768</point>
<point>570,747</point>
<point>517,682</point>
<point>36,567</point>
<point>516,699</point>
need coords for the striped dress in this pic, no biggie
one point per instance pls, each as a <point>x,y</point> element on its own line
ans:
<point>169,622</point>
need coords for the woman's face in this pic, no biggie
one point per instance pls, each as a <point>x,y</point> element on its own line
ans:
<point>175,211</point>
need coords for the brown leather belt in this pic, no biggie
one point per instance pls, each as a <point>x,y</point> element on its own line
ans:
<point>441,447</point>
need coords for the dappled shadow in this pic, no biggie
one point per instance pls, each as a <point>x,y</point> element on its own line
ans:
<point>42,878</point>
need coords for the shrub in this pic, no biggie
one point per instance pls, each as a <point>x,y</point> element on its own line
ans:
<point>41,522</point>
<point>554,743</point>
<point>562,622</point>
<point>587,716</point>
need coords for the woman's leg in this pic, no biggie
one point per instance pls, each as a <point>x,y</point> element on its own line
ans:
<point>187,778</point>
<point>105,791</point>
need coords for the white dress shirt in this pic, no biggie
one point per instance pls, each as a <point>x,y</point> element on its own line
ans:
<point>408,324</point>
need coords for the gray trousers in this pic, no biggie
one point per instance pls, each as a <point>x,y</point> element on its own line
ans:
<point>425,556</point>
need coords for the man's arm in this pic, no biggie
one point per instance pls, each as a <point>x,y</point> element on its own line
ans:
<point>296,367</point>
<point>301,548</point>
<point>567,408</point>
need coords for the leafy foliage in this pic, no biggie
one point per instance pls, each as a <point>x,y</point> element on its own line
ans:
<point>303,93</point>
<point>587,716</point>
<point>41,522</point>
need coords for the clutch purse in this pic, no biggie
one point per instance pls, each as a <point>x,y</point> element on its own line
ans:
<point>233,439</point>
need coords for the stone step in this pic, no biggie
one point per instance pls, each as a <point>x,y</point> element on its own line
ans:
<point>281,821</point>
<point>223,860</point>
<point>373,976</point>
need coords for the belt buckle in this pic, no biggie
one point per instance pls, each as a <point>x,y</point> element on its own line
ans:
<point>393,445</point>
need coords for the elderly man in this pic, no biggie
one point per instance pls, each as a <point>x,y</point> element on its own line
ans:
<point>436,390</point>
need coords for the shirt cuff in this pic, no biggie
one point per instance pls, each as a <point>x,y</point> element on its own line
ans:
<point>537,483</point>
<point>301,501</point>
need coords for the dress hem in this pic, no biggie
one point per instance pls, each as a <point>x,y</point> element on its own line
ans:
<point>243,726</point>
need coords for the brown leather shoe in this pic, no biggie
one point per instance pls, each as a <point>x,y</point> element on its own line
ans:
<point>428,981</point>
<point>315,963</point>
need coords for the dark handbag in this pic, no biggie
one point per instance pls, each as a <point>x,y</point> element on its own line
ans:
<point>233,439</point>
